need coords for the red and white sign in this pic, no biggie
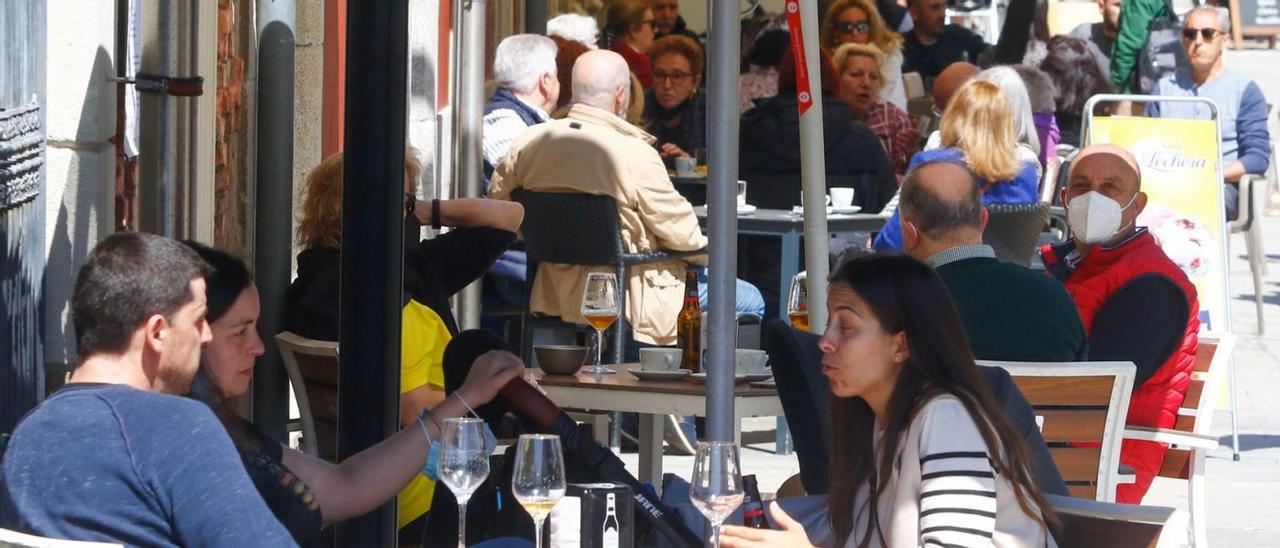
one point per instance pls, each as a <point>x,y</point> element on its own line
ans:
<point>803,90</point>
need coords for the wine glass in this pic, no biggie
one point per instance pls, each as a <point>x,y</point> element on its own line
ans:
<point>600,308</point>
<point>798,302</point>
<point>717,485</point>
<point>464,463</point>
<point>538,480</point>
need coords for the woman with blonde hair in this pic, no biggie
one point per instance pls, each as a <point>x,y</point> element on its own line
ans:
<point>862,81</point>
<point>978,129</point>
<point>626,27</point>
<point>859,22</point>
<point>434,270</point>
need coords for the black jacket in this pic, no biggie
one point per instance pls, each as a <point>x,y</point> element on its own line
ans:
<point>769,154</point>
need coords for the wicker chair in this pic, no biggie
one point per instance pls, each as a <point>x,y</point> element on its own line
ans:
<point>579,229</point>
<point>1014,229</point>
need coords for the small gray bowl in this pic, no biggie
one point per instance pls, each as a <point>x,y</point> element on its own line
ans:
<point>560,359</point>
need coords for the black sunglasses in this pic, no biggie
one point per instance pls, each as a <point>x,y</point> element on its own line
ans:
<point>1205,33</point>
<point>862,27</point>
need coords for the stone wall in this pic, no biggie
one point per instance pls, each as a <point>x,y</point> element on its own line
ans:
<point>81,118</point>
<point>231,128</point>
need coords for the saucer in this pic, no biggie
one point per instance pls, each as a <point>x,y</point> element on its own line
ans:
<point>701,378</point>
<point>831,210</point>
<point>677,375</point>
<point>746,209</point>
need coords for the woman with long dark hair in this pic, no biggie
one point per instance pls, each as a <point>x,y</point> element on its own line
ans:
<point>303,491</point>
<point>924,454</point>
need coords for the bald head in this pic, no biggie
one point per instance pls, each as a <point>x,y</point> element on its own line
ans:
<point>1121,161</point>
<point>601,79</point>
<point>941,202</point>
<point>950,80</point>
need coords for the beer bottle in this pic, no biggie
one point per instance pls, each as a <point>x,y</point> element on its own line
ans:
<point>689,325</point>
<point>752,506</point>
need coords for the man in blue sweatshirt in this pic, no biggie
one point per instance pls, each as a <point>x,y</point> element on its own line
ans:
<point>117,455</point>
<point>1242,110</point>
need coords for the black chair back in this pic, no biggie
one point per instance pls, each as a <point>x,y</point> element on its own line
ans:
<point>570,228</point>
<point>1013,230</point>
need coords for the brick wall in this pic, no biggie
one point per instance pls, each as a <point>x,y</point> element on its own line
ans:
<point>230,192</point>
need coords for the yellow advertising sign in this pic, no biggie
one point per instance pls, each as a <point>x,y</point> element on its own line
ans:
<point>1181,175</point>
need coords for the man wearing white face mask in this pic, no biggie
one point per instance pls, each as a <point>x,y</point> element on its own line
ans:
<point>1135,303</point>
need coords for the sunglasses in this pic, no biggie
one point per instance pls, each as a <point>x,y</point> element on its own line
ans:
<point>1205,33</point>
<point>862,27</point>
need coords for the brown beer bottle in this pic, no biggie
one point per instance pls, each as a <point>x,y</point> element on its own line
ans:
<point>752,506</point>
<point>689,325</point>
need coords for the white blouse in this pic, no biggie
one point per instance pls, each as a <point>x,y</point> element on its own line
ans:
<point>894,91</point>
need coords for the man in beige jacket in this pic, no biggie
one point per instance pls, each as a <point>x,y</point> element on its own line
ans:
<point>593,150</point>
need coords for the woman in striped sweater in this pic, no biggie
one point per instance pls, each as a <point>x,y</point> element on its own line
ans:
<point>924,457</point>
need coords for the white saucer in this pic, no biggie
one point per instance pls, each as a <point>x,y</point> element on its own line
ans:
<point>831,210</point>
<point>746,209</point>
<point>677,375</point>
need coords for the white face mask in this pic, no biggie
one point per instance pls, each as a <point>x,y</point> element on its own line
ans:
<point>1095,218</point>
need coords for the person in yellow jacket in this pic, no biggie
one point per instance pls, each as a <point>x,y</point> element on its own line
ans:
<point>434,270</point>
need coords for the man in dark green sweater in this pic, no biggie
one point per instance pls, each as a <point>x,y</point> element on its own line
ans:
<point>1010,312</point>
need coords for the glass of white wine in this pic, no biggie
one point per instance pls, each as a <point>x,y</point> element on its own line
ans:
<point>716,489</point>
<point>538,480</point>
<point>798,302</point>
<point>464,464</point>
<point>600,307</point>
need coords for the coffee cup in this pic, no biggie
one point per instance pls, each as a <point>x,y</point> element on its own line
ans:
<point>826,199</point>
<point>686,166</point>
<point>749,362</point>
<point>742,193</point>
<point>842,197</point>
<point>659,359</point>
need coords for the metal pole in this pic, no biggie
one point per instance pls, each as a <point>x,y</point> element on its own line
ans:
<point>273,215</point>
<point>722,216</point>
<point>158,200</point>
<point>372,243</point>
<point>536,13</point>
<point>813,173</point>
<point>469,108</point>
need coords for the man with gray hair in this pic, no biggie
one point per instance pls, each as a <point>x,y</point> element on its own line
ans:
<point>594,150</point>
<point>524,66</point>
<point>1009,312</point>
<point>1242,109</point>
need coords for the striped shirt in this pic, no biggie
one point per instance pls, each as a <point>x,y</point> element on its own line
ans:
<point>944,490</point>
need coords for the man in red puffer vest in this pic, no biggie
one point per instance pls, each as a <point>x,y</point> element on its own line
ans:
<point>1136,304</point>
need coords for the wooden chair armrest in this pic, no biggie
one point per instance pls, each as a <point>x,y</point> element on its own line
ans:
<point>1173,437</point>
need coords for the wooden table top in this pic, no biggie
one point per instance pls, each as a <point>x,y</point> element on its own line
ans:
<point>624,381</point>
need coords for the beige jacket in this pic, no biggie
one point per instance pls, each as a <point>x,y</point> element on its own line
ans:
<point>593,151</point>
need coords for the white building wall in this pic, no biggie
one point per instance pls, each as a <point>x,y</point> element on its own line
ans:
<point>81,160</point>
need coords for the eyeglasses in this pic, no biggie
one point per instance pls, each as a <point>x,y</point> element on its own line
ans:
<point>862,27</point>
<point>1206,33</point>
<point>936,112</point>
<point>674,77</point>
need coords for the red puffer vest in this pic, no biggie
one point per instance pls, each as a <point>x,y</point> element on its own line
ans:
<point>1156,402</point>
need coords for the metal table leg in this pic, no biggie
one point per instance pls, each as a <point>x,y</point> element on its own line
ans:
<point>651,450</point>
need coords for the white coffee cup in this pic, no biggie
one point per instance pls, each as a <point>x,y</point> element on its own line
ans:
<point>842,197</point>
<point>749,362</point>
<point>659,359</point>
<point>742,193</point>
<point>686,166</point>
<point>827,199</point>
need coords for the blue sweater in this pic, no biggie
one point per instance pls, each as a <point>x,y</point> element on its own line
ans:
<point>1242,111</point>
<point>111,463</point>
<point>1023,189</point>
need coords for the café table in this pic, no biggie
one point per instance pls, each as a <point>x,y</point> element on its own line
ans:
<point>652,400</point>
<point>789,226</point>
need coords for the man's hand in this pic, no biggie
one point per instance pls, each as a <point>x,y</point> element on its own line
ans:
<point>789,533</point>
<point>670,150</point>
<point>488,374</point>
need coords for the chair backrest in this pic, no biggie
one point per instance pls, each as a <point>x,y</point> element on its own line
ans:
<point>313,373</point>
<point>1014,229</point>
<point>1083,406</point>
<point>570,228</point>
<point>22,540</point>
<point>1094,523</point>
<point>1213,359</point>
